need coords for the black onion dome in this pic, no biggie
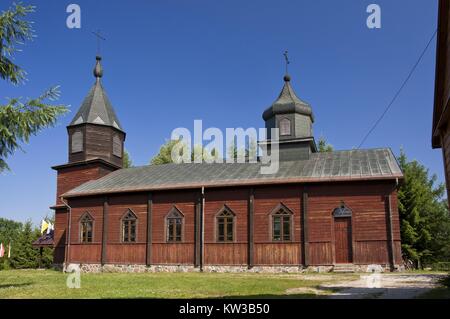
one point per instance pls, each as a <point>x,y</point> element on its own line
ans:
<point>288,102</point>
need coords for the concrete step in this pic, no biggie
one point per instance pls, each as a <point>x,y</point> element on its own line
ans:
<point>344,268</point>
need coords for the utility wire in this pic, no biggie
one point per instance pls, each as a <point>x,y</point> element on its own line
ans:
<point>399,90</point>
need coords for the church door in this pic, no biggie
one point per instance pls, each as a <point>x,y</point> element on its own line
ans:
<point>343,240</point>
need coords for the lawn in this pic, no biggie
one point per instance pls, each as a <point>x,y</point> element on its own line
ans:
<point>52,284</point>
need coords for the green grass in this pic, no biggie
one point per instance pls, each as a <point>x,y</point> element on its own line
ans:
<point>52,284</point>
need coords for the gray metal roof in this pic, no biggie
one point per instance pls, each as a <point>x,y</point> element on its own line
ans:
<point>321,167</point>
<point>288,102</point>
<point>96,107</point>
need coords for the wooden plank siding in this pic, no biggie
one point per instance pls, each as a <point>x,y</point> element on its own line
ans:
<point>369,240</point>
<point>173,253</point>
<point>441,128</point>
<point>235,253</point>
<point>89,252</point>
<point>97,143</point>
<point>71,177</point>
<point>267,252</point>
<point>60,235</point>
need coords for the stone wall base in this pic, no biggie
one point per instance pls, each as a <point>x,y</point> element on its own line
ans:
<point>135,268</point>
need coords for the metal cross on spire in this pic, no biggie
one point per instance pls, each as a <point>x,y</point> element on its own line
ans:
<point>99,38</point>
<point>287,60</point>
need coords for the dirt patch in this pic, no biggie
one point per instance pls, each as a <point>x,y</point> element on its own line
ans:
<point>305,290</point>
<point>385,286</point>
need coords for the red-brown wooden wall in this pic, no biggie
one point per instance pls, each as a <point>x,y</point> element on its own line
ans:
<point>368,201</point>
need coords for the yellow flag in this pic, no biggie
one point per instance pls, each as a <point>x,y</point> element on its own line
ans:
<point>44,226</point>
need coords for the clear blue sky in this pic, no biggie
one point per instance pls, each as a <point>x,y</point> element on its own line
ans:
<point>170,62</point>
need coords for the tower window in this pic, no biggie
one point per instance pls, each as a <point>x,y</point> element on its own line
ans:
<point>225,225</point>
<point>285,127</point>
<point>174,225</point>
<point>86,228</point>
<point>129,222</point>
<point>77,142</point>
<point>117,146</point>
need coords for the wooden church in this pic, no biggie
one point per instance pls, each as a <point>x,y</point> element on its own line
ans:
<point>320,211</point>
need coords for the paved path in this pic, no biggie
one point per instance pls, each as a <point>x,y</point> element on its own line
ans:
<point>385,286</point>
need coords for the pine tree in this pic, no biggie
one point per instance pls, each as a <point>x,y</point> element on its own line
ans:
<point>424,216</point>
<point>23,254</point>
<point>19,120</point>
<point>324,146</point>
<point>127,162</point>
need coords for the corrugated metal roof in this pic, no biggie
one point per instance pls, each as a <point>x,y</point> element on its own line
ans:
<point>332,166</point>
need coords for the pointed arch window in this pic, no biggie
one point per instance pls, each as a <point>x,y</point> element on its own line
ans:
<point>174,225</point>
<point>225,220</point>
<point>129,226</point>
<point>285,127</point>
<point>86,228</point>
<point>281,223</point>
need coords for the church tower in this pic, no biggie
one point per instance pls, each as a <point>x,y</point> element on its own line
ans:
<point>294,119</point>
<point>95,131</point>
<point>96,141</point>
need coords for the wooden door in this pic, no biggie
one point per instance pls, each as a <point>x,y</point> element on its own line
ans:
<point>343,240</point>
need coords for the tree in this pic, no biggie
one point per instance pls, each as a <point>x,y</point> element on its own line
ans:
<point>21,237</point>
<point>23,255</point>
<point>424,216</point>
<point>324,146</point>
<point>9,233</point>
<point>249,152</point>
<point>165,153</point>
<point>127,162</point>
<point>19,120</point>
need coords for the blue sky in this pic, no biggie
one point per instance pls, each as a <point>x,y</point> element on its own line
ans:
<point>168,63</point>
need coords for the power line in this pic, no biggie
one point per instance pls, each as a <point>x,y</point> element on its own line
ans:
<point>399,90</point>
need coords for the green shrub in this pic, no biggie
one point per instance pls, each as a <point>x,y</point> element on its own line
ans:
<point>441,266</point>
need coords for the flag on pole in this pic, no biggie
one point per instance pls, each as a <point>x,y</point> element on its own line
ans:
<point>50,228</point>
<point>2,250</point>
<point>9,250</point>
<point>44,226</point>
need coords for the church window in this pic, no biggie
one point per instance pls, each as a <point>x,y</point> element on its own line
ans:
<point>117,146</point>
<point>225,225</point>
<point>281,223</point>
<point>174,225</point>
<point>285,127</point>
<point>86,228</point>
<point>129,222</point>
<point>77,142</point>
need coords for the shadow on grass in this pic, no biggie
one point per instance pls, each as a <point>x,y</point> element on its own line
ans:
<point>5,286</point>
<point>350,292</point>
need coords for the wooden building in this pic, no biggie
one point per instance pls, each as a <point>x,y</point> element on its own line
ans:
<point>319,210</point>
<point>441,113</point>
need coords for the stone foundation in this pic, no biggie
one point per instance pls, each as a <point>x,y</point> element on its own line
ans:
<point>135,268</point>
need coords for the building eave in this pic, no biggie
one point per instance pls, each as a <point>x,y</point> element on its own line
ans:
<point>440,110</point>
<point>90,161</point>
<point>264,182</point>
